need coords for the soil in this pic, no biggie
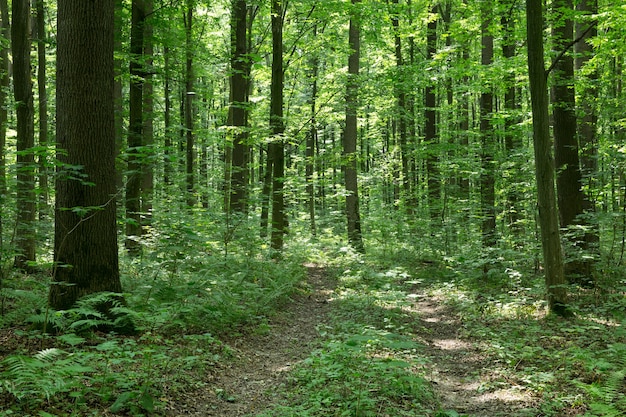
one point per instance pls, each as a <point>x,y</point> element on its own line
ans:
<point>463,375</point>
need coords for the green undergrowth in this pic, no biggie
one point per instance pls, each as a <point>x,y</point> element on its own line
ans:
<point>570,367</point>
<point>368,362</point>
<point>186,292</point>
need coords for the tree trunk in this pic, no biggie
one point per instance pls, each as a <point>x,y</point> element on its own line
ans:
<point>135,129</point>
<point>512,139</point>
<point>4,87</point>
<point>544,164</point>
<point>430,129</point>
<point>402,111</point>
<point>85,245</point>
<point>350,133</point>
<point>167,119</point>
<point>147,171</point>
<point>587,123</point>
<point>311,140</point>
<point>189,96</point>
<point>487,173</point>
<point>571,197</point>
<point>277,124</point>
<point>237,110</point>
<point>23,93</point>
<point>43,109</point>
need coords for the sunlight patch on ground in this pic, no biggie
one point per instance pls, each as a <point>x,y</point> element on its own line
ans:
<point>452,344</point>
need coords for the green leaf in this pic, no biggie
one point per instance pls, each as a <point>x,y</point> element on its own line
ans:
<point>122,401</point>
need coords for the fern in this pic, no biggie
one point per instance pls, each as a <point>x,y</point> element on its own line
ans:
<point>43,375</point>
<point>609,394</point>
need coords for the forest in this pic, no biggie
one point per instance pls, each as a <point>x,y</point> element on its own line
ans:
<point>312,208</point>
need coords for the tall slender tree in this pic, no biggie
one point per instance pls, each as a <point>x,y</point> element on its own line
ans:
<point>23,93</point>
<point>4,86</point>
<point>43,107</point>
<point>544,163</point>
<point>350,132</point>
<point>85,241</point>
<point>135,128</point>
<point>237,193</point>
<point>430,124</point>
<point>487,173</point>
<point>570,194</point>
<point>277,124</point>
<point>147,171</point>
<point>189,99</point>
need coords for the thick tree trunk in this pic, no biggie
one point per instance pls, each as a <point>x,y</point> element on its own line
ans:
<point>350,134</point>
<point>571,197</point>
<point>135,129</point>
<point>23,93</point>
<point>544,164</point>
<point>487,173</point>
<point>277,146</point>
<point>85,245</point>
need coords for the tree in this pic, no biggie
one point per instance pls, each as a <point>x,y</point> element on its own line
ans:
<point>544,164</point>
<point>277,124</point>
<point>487,173</point>
<point>135,128</point>
<point>85,241</point>
<point>43,107</point>
<point>4,86</point>
<point>430,124</point>
<point>23,93</point>
<point>188,99</point>
<point>571,197</point>
<point>237,112</point>
<point>350,132</point>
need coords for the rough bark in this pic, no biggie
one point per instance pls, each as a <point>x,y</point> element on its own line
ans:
<point>237,109</point>
<point>85,246</point>
<point>350,133</point>
<point>23,92</point>
<point>571,197</point>
<point>544,163</point>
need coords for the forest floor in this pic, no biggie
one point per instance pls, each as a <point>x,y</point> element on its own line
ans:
<point>460,369</point>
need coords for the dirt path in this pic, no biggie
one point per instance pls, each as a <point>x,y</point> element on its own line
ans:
<point>244,384</point>
<point>249,382</point>
<point>466,379</point>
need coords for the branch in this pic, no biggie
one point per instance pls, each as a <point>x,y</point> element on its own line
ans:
<point>567,48</point>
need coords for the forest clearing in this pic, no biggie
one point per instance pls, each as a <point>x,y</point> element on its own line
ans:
<point>312,208</point>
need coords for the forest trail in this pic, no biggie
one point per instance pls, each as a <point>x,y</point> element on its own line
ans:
<point>250,381</point>
<point>465,378</point>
